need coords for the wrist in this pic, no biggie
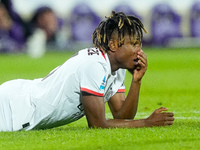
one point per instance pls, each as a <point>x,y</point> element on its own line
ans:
<point>146,123</point>
<point>136,82</point>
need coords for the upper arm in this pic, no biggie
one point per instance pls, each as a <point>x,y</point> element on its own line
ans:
<point>115,103</point>
<point>92,83</point>
<point>91,78</point>
<point>94,108</point>
<point>117,100</point>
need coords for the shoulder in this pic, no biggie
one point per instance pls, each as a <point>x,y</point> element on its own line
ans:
<point>92,57</point>
<point>92,66</point>
<point>94,53</point>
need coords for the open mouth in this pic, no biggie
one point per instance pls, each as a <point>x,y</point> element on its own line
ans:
<point>136,60</point>
<point>136,66</point>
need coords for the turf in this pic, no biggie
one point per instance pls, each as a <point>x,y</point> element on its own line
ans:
<point>172,80</point>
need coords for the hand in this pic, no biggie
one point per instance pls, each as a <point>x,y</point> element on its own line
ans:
<point>159,118</point>
<point>141,68</point>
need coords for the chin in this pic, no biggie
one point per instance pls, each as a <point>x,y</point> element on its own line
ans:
<point>136,67</point>
<point>131,70</point>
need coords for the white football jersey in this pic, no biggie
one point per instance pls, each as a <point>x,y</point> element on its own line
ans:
<point>56,99</point>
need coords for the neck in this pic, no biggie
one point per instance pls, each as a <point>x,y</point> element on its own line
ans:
<point>113,62</point>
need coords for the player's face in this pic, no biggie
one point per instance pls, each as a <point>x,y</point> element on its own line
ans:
<point>48,22</point>
<point>126,55</point>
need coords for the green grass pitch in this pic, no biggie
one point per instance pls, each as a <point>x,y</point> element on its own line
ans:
<point>172,80</point>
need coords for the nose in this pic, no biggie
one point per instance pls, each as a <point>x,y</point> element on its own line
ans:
<point>137,47</point>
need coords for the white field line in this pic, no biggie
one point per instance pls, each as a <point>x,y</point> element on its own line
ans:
<point>188,118</point>
<point>178,115</point>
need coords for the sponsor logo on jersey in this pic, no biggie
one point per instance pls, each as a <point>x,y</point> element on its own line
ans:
<point>102,86</point>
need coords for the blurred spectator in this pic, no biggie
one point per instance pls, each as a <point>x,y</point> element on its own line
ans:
<point>45,25</point>
<point>45,19</point>
<point>195,20</point>
<point>35,35</point>
<point>12,38</point>
<point>83,21</point>
<point>127,9</point>
<point>165,24</point>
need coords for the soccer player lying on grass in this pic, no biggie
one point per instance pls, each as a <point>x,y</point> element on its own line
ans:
<point>83,84</point>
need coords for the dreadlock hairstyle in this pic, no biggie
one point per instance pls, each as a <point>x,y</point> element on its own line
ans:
<point>121,23</point>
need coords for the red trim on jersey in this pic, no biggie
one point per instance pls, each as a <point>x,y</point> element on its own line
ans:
<point>102,54</point>
<point>92,92</point>
<point>121,91</point>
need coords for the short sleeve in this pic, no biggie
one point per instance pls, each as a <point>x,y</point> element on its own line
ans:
<point>121,89</point>
<point>120,80</point>
<point>117,85</point>
<point>92,76</point>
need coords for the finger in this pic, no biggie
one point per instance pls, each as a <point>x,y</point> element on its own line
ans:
<point>159,110</point>
<point>169,118</point>
<point>142,54</point>
<point>142,57</point>
<point>169,114</point>
<point>142,64</point>
<point>168,123</point>
<point>140,50</point>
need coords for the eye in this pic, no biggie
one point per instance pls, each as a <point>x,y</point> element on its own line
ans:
<point>134,44</point>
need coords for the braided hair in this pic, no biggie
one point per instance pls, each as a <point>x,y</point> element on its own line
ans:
<point>119,23</point>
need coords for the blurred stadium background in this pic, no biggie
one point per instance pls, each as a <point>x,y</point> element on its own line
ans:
<point>171,23</point>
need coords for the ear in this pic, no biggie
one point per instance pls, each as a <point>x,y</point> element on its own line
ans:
<point>113,45</point>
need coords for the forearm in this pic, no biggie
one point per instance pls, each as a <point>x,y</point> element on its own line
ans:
<point>129,107</point>
<point>121,123</point>
<point>95,114</point>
